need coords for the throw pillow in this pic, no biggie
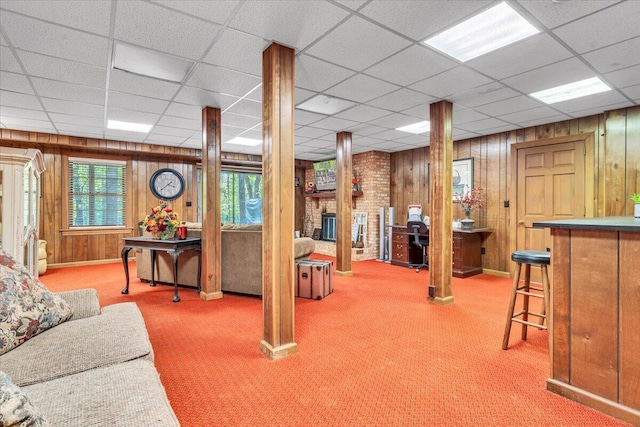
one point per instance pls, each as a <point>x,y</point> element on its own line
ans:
<point>16,408</point>
<point>27,308</point>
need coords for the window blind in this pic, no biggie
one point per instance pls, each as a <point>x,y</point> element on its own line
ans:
<point>96,193</point>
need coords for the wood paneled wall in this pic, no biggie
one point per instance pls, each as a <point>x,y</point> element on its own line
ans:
<point>616,173</point>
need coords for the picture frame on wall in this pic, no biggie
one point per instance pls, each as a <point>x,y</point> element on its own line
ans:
<point>462,176</point>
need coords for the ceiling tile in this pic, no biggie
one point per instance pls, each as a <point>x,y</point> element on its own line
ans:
<point>138,85</point>
<point>401,100</point>
<point>303,117</point>
<point>419,111</point>
<point>301,95</point>
<point>351,4</point>
<point>363,113</point>
<point>21,123</point>
<point>238,51</point>
<point>123,135</point>
<point>8,61</point>
<point>481,95</point>
<point>246,107</point>
<point>85,134</point>
<point>68,91</point>
<point>450,82</point>
<point>15,83</point>
<point>131,116</point>
<point>164,139</point>
<point>526,55</point>
<point>20,100</point>
<point>63,70</point>
<point>480,125</point>
<point>625,77</point>
<point>73,108</point>
<point>231,131</point>
<point>526,115</point>
<point>240,120</point>
<point>311,132</point>
<point>543,121</point>
<point>192,143</point>
<point>184,110</point>
<point>361,88</point>
<point>79,129</point>
<point>420,140</point>
<point>390,135</point>
<point>3,42</point>
<point>359,43</point>
<point>632,92</point>
<point>171,131</point>
<point>222,80</point>
<point>96,122</point>
<point>426,17</point>
<point>292,23</point>
<point>90,16</point>
<point>466,116</point>
<point>136,103</point>
<point>567,71</point>
<point>367,129</point>
<point>214,11</point>
<point>23,113</point>
<point>611,58</point>
<point>599,109</point>
<point>395,120</point>
<point>606,27</point>
<point>148,25</point>
<point>37,36</point>
<point>589,102</point>
<point>554,13</point>
<point>180,123</point>
<point>511,105</point>
<point>203,98</point>
<point>334,124</point>
<point>417,63</point>
<point>317,75</point>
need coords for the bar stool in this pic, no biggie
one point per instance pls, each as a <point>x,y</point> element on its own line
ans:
<point>528,258</point>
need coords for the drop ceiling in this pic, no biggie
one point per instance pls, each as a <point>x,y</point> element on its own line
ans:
<point>56,74</point>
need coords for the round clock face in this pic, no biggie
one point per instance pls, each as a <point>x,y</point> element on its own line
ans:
<point>166,184</point>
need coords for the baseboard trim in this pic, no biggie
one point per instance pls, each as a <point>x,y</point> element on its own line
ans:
<point>211,296</point>
<point>275,353</point>
<point>441,301</point>
<point>344,273</point>
<point>496,272</point>
<point>81,263</point>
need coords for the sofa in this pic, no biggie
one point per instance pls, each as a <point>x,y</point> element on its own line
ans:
<point>241,259</point>
<point>76,364</point>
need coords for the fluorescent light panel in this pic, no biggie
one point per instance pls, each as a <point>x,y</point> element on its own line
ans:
<point>149,63</point>
<point>238,140</point>
<point>132,127</point>
<point>417,128</point>
<point>325,105</point>
<point>490,30</point>
<point>571,91</point>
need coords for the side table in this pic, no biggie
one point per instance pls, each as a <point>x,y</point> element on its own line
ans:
<point>173,247</point>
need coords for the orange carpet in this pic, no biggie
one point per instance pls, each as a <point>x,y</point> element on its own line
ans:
<point>372,353</point>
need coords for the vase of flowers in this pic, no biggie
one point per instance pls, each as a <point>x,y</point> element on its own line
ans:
<point>162,222</point>
<point>636,207</point>
<point>469,201</point>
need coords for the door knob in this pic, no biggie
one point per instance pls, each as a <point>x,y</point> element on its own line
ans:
<point>521,222</point>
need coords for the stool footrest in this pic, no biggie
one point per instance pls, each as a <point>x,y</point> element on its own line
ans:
<point>531,294</point>
<point>524,322</point>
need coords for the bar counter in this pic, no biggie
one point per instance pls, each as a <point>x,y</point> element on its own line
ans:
<point>595,313</point>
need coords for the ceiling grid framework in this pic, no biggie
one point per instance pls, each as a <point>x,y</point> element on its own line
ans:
<point>55,75</point>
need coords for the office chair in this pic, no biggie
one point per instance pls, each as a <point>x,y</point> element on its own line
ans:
<point>417,228</point>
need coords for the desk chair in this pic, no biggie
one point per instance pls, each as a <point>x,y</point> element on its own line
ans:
<point>418,228</point>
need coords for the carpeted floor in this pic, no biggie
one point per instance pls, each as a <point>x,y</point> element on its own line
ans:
<point>374,353</point>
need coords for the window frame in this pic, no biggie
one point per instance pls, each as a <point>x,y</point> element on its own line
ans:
<point>65,229</point>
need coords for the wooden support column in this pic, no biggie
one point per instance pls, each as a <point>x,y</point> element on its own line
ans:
<point>343,204</point>
<point>441,189</point>
<point>278,294</point>
<point>211,281</point>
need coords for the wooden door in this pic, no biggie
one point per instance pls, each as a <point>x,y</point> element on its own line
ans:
<point>550,185</point>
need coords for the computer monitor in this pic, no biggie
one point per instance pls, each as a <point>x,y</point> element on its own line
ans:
<point>415,213</point>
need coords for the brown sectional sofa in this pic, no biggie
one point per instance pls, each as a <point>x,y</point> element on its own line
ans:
<point>241,259</point>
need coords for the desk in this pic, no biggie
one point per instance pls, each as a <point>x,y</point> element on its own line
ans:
<point>467,249</point>
<point>173,247</point>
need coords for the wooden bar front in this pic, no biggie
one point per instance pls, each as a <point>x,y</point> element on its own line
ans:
<point>595,299</point>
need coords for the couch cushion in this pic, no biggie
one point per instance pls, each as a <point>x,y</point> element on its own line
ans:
<point>16,408</point>
<point>122,395</point>
<point>117,335</point>
<point>27,308</point>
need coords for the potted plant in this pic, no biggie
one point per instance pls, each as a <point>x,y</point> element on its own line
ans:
<point>469,201</point>
<point>636,200</point>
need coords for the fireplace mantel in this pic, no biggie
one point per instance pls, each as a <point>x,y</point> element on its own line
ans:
<point>332,195</point>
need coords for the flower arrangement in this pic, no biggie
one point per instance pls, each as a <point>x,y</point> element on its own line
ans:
<point>636,198</point>
<point>470,200</point>
<point>355,182</point>
<point>162,220</point>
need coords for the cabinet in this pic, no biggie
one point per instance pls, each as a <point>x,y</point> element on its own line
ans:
<point>467,250</point>
<point>20,171</point>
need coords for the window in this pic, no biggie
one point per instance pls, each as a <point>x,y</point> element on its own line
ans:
<point>96,193</point>
<point>241,197</point>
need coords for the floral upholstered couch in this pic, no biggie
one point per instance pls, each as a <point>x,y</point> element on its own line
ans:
<point>241,259</point>
<point>64,361</point>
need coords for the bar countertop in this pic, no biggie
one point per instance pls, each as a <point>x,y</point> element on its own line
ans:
<point>608,223</point>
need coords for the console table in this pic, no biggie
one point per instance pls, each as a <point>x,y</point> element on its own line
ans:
<point>467,250</point>
<point>174,247</point>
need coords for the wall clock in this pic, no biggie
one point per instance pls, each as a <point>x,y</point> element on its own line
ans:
<point>167,184</point>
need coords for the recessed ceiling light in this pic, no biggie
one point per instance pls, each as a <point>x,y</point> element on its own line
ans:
<point>238,140</point>
<point>420,127</point>
<point>571,91</point>
<point>490,30</point>
<point>133,127</point>
<point>149,63</point>
<point>325,105</point>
